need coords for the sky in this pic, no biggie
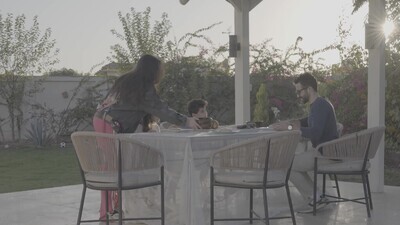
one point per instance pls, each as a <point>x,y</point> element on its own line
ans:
<point>82,28</point>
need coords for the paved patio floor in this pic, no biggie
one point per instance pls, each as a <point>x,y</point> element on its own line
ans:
<point>59,206</point>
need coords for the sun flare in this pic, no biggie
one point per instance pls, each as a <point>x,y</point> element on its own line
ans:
<point>388,28</point>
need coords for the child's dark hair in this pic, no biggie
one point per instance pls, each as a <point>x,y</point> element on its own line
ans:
<point>195,104</point>
<point>147,121</point>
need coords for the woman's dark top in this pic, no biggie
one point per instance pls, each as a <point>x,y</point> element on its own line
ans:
<point>128,116</point>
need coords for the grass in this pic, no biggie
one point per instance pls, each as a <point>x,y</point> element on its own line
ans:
<point>28,168</point>
<point>392,171</point>
<point>392,177</point>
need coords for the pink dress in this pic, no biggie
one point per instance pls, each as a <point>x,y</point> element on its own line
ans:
<point>127,118</point>
<point>102,126</point>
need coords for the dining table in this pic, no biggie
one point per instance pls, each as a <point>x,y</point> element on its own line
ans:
<point>187,180</point>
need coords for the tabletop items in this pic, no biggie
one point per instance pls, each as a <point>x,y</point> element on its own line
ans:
<point>208,123</point>
<point>249,125</point>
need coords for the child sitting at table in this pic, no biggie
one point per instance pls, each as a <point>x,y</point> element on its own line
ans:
<point>197,108</point>
<point>149,123</point>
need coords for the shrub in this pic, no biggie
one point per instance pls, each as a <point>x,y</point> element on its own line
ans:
<point>348,95</point>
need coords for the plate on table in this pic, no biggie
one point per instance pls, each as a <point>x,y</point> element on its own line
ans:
<point>176,130</point>
<point>217,132</point>
<point>223,131</point>
<point>248,130</point>
<point>265,128</point>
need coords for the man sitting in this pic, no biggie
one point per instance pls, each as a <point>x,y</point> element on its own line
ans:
<point>319,127</point>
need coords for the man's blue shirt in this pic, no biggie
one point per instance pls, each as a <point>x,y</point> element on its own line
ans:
<point>320,125</point>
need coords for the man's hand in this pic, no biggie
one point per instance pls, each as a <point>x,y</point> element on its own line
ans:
<point>284,125</point>
<point>281,125</point>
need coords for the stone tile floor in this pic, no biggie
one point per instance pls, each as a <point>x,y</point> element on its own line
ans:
<point>59,206</point>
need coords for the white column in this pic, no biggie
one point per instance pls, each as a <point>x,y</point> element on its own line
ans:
<point>242,79</point>
<point>376,85</point>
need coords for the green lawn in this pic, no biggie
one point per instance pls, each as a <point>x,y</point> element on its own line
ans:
<point>28,168</point>
<point>392,177</point>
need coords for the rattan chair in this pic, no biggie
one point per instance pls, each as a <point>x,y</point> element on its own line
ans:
<point>339,127</point>
<point>352,154</point>
<point>260,163</point>
<point>110,162</point>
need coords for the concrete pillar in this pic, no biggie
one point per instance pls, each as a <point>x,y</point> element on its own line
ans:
<point>375,43</point>
<point>242,80</point>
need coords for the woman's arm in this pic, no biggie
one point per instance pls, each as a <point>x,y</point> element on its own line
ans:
<point>155,106</point>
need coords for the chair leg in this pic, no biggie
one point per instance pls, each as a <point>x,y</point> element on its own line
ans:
<point>211,196</point>
<point>315,188</point>
<point>369,192</point>
<point>290,204</point>
<point>265,206</point>
<point>120,206</point>
<point>323,184</point>
<point>162,197</point>
<point>107,213</point>
<point>337,186</point>
<point>251,206</point>
<point>364,180</point>
<point>81,205</point>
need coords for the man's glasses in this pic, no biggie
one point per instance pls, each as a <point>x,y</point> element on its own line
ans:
<point>299,91</point>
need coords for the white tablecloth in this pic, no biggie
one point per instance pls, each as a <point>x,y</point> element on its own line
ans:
<point>187,178</point>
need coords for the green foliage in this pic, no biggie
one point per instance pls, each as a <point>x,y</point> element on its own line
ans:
<point>349,97</point>
<point>268,60</point>
<point>23,51</point>
<point>12,91</point>
<point>139,37</point>
<point>393,13</point>
<point>74,115</point>
<point>392,117</point>
<point>77,114</point>
<point>38,134</point>
<point>347,87</point>
<point>357,4</point>
<point>261,111</point>
<point>186,78</point>
<point>193,40</point>
<point>392,57</point>
<point>276,68</point>
<point>194,77</point>
<point>282,96</point>
<point>64,72</point>
<point>352,58</point>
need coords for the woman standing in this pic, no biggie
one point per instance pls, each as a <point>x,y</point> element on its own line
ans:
<point>131,101</point>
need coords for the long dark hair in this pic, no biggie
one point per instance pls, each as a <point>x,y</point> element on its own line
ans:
<point>132,86</point>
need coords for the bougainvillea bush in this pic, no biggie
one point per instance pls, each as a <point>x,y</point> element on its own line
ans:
<point>348,94</point>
